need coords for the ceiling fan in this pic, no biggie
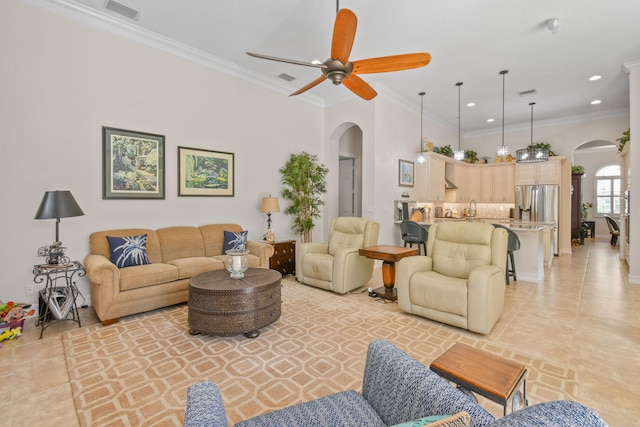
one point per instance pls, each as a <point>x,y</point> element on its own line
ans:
<point>339,69</point>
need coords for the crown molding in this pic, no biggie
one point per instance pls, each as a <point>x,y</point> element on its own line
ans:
<point>621,112</point>
<point>631,67</point>
<point>409,105</point>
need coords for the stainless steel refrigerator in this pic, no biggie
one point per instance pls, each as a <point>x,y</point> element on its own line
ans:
<point>539,203</point>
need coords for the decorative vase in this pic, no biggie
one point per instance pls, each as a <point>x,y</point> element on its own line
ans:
<point>585,213</point>
<point>270,236</point>
<point>237,263</point>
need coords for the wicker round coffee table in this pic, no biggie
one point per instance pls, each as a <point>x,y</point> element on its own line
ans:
<point>220,305</point>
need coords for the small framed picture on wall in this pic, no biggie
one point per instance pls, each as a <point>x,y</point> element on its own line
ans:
<point>132,165</point>
<point>405,173</point>
<point>205,172</point>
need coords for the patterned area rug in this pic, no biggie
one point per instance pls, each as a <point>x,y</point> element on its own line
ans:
<point>136,372</point>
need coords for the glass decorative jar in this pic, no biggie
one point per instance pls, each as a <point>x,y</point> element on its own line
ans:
<point>237,263</point>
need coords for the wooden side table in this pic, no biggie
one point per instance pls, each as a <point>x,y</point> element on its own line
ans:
<point>389,256</point>
<point>480,372</point>
<point>284,256</point>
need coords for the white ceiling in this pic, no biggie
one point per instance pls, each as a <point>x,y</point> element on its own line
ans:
<point>469,40</point>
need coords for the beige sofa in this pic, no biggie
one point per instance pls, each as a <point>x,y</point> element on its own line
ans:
<point>462,281</point>
<point>175,253</point>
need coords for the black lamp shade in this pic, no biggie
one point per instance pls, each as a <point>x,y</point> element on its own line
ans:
<point>58,204</point>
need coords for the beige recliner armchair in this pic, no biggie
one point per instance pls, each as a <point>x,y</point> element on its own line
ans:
<point>462,281</point>
<point>336,265</point>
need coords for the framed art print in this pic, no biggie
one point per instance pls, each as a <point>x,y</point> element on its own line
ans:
<point>133,164</point>
<point>405,173</point>
<point>205,172</point>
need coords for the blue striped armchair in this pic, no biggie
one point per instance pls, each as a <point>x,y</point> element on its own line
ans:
<point>396,388</point>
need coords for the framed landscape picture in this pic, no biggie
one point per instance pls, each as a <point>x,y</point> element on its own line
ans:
<point>133,164</point>
<point>205,172</point>
<point>405,173</point>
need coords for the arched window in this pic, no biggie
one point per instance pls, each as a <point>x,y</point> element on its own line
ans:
<point>608,190</point>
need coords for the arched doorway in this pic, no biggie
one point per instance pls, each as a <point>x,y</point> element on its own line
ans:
<point>592,156</point>
<point>350,176</point>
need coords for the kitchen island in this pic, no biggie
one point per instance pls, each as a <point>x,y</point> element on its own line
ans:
<point>535,244</point>
<point>530,259</point>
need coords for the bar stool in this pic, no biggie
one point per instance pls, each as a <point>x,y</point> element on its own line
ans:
<point>614,229</point>
<point>512,245</point>
<point>412,232</point>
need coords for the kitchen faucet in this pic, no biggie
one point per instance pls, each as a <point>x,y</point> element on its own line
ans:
<point>472,209</point>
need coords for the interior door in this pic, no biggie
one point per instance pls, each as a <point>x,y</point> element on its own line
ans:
<point>347,202</point>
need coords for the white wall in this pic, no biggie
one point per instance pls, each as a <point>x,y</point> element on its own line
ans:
<point>390,131</point>
<point>634,154</point>
<point>564,137</point>
<point>63,80</point>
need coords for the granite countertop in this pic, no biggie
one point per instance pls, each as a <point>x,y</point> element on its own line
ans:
<point>514,224</point>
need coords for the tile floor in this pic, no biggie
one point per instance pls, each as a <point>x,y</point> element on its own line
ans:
<point>584,315</point>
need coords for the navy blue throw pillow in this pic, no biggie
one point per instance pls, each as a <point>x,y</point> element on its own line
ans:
<point>236,240</point>
<point>128,251</point>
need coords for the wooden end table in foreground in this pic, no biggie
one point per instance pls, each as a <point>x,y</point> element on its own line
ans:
<point>488,375</point>
<point>389,256</point>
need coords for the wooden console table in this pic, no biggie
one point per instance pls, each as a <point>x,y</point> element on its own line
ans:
<point>480,372</point>
<point>389,256</point>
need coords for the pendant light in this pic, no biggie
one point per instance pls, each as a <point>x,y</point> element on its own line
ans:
<point>532,154</point>
<point>503,150</point>
<point>422,158</point>
<point>459,153</point>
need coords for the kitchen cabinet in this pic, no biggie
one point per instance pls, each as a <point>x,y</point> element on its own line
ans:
<point>507,182</point>
<point>430,180</point>
<point>548,172</point>
<point>474,183</point>
<point>457,174</point>
<point>497,183</point>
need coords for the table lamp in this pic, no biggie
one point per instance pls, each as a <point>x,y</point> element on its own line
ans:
<point>58,204</point>
<point>269,205</point>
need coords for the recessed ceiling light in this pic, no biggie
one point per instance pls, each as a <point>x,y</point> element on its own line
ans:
<point>316,62</point>
<point>594,78</point>
<point>471,104</point>
<point>596,102</point>
<point>491,120</point>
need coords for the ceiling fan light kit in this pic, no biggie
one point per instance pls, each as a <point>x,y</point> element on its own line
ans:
<point>339,70</point>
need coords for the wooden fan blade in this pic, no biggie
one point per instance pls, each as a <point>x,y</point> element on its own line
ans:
<point>391,63</point>
<point>310,85</point>
<point>359,87</point>
<point>288,61</point>
<point>344,31</point>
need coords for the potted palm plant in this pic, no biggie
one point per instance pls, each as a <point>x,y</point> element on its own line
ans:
<point>304,180</point>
